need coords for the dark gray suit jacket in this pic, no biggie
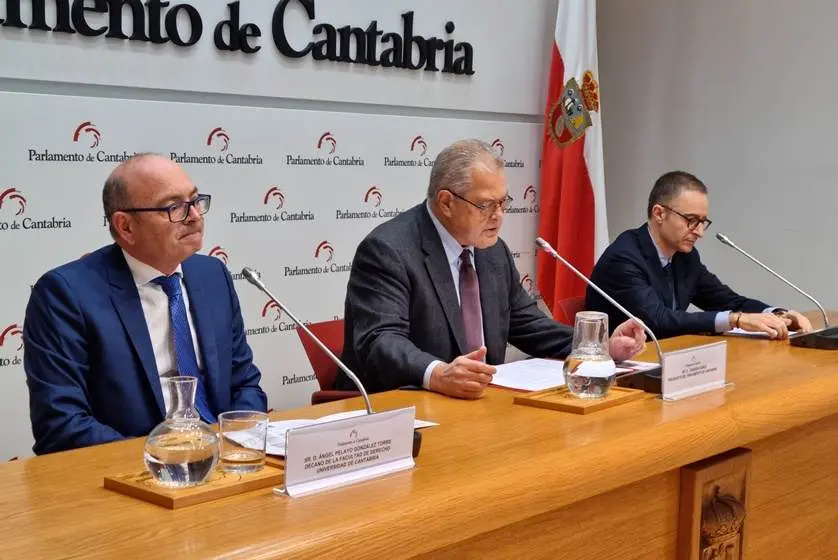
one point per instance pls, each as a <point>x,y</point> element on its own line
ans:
<point>402,311</point>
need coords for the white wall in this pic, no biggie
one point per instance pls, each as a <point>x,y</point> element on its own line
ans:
<point>142,97</point>
<point>741,93</point>
<point>511,53</point>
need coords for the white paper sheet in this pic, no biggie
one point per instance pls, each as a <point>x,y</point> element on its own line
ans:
<point>529,375</point>
<point>743,332</point>
<point>537,374</point>
<point>276,431</point>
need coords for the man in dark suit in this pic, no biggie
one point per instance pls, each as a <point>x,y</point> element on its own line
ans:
<point>419,313</point>
<point>656,273</point>
<point>102,333</point>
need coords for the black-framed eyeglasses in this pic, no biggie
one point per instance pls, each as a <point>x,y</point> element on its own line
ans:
<point>178,211</point>
<point>490,207</point>
<point>692,221</point>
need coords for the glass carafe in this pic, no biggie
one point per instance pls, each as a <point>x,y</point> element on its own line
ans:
<point>589,371</point>
<point>182,450</point>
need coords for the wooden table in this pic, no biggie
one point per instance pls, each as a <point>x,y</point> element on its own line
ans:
<point>494,480</point>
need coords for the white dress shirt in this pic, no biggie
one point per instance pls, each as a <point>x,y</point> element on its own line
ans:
<point>453,252</point>
<point>155,304</point>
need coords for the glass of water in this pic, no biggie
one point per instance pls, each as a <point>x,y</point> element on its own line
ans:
<point>243,438</point>
<point>589,371</point>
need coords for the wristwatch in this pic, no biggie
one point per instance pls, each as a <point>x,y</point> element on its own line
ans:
<point>779,311</point>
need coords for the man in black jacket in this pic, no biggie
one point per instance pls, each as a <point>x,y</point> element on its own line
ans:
<point>656,273</point>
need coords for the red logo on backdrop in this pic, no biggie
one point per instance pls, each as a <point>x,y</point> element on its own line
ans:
<point>90,129</point>
<point>324,247</point>
<point>221,135</point>
<point>497,146</point>
<point>272,308</point>
<point>8,333</point>
<point>374,194</point>
<point>419,143</point>
<point>276,194</point>
<point>220,253</point>
<point>12,194</point>
<point>530,194</point>
<point>526,282</point>
<point>327,138</point>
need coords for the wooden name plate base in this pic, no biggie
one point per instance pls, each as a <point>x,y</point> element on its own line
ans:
<point>220,485</point>
<point>559,398</point>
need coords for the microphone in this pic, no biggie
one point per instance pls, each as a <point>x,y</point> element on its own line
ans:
<point>253,277</point>
<point>552,252</point>
<point>726,240</point>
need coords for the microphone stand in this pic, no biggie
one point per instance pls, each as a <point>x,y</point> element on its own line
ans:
<point>253,277</point>
<point>648,380</point>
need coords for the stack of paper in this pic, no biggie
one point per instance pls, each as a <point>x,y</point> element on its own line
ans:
<point>276,431</point>
<point>743,332</point>
<point>537,374</point>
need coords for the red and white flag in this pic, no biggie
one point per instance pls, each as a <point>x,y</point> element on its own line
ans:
<point>572,216</point>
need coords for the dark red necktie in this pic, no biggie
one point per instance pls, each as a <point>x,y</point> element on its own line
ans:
<point>470,303</point>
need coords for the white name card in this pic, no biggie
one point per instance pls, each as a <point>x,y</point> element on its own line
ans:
<point>692,371</point>
<point>343,452</point>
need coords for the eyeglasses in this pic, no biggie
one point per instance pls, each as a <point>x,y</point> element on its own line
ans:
<point>490,207</point>
<point>692,221</point>
<point>178,211</point>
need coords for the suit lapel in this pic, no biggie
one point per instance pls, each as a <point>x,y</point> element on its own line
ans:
<point>440,272</point>
<point>490,306</point>
<point>204,321</point>
<point>126,301</point>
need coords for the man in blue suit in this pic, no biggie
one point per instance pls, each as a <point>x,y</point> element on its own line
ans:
<point>104,331</point>
<point>656,273</point>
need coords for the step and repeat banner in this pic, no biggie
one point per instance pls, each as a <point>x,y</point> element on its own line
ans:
<point>293,192</point>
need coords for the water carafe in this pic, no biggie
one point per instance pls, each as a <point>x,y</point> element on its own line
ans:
<point>589,371</point>
<point>182,450</point>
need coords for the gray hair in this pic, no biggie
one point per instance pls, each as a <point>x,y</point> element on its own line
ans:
<point>115,191</point>
<point>453,166</point>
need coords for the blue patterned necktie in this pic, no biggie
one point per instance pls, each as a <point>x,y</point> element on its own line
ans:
<point>187,361</point>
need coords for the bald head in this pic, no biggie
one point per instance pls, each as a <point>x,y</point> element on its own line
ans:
<point>117,192</point>
<point>136,198</point>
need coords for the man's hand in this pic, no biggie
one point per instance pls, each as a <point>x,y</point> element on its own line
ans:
<point>798,322</point>
<point>627,340</point>
<point>465,378</point>
<point>775,326</point>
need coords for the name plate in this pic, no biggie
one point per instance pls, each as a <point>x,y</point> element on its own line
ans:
<point>693,371</point>
<point>333,454</point>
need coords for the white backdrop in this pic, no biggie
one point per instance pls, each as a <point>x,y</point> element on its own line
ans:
<point>511,43</point>
<point>313,154</point>
<point>69,193</point>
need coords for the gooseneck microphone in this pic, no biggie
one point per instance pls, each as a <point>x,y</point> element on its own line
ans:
<point>552,252</point>
<point>726,240</point>
<point>253,277</point>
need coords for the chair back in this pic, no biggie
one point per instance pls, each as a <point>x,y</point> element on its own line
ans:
<point>331,333</point>
<point>571,306</point>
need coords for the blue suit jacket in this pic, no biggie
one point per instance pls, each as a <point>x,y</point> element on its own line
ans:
<point>88,358</point>
<point>631,272</point>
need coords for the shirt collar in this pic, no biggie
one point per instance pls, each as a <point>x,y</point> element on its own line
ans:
<point>453,249</point>
<point>663,258</point>
<point>143,274</point>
